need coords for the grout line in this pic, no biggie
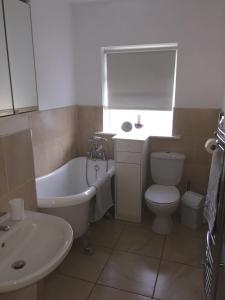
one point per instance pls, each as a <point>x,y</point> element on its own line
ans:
<point>124,290</point>
<point>60,273</point>
<point>137,254</point>
<point>182,263</point>
<point>100,284</point>
<point>119,236</point>
<point>160,262</point>
<point>77,278</point>
<point>110,255</point>
<point>112,251</point>
<point>88,297</point>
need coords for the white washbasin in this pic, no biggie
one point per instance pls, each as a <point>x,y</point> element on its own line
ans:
<point>41,241</point>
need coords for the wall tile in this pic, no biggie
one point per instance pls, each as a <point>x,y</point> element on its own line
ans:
<point>16,159</point>
<point>19,158</point>
<point>59,152</point>
<point>90,120</point>
<point>27,192</point>
<point>41,163</point>
<point>60,134</point>
<point>198,175</point>
<point>54,137</point>
<point>201,155</point>
<point>50,124</point>
<point>54,141</point>
<point>3,177</point>
<point>182,145</point>
<point>74,132</point>
<point>13,124</point>
<point>195,120</point>
<point>194,126</point>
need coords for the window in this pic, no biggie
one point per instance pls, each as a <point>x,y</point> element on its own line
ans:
<point>139,81</point>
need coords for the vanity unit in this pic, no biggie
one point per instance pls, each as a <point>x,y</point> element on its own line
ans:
<point>131,157</point>
<point>18,91</point>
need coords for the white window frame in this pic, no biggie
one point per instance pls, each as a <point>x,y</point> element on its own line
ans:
<point>129,49</point>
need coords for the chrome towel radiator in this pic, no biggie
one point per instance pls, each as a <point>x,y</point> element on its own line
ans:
<point>214,261</point>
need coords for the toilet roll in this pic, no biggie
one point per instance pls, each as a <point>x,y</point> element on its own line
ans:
<point>210,145</point>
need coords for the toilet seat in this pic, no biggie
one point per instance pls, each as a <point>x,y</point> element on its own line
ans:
<point>162,194</point>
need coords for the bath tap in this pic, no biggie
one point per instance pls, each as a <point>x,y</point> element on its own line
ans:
<point>97,150</point>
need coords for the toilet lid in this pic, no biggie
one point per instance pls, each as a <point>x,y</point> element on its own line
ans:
<point>162,194</point>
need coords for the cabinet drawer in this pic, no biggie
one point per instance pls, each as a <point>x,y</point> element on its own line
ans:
<point>128,157</point>
<point>131,146</point>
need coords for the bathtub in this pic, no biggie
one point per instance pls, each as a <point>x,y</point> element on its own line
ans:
<point>65,192</point>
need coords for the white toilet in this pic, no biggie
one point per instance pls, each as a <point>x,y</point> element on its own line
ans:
<point>162,198</point>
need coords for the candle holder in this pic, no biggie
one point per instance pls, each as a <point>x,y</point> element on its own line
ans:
<point>138,125</point>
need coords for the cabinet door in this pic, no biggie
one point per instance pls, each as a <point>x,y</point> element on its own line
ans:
<point>21,56</point>
<point>6,106</point>
<point>128,192</point>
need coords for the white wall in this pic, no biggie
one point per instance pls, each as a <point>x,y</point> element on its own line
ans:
<point>54,55</point>
<point>197,25</point>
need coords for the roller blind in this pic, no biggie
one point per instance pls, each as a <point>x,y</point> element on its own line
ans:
<point>141,80</point>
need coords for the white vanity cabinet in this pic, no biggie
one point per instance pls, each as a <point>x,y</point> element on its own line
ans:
<point>6,106</point>
<point>130,182</point>
<point>21,55</point>
<point>18,90</point>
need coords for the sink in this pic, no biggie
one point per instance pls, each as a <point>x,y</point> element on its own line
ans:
<point>31,249</point>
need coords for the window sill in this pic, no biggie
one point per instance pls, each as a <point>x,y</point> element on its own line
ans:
<point>105,133</point>
<point>173,137</point>
<point>130,135</point>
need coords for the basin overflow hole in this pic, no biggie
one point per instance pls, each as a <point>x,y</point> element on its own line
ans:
<point>19,264</point>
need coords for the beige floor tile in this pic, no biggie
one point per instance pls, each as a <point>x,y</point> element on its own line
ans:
<point>79,265</point>
<point>180,229</point>
<point>57,287</point>
<point>184,249</point>
<point>106,232</point>
<point>141,240</point>
<point>178,282</point>
<point>130,272</point>
<point>147,216</point>
<point>107,293</point>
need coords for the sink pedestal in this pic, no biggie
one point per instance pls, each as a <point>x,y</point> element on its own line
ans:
<point>27,293</point>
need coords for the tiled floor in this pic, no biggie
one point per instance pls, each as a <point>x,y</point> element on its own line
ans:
<point>131,263</point>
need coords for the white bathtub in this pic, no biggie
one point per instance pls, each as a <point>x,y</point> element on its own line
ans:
<point>65,192</point>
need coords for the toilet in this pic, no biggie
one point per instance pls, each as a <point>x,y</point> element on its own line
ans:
<point>162,197</point>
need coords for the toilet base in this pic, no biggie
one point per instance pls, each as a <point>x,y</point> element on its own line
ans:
<point>162,224</point>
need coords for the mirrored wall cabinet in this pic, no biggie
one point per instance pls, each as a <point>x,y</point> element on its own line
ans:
<point>18,90</point>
